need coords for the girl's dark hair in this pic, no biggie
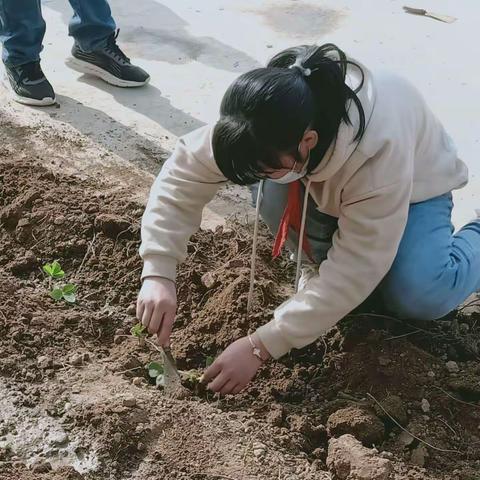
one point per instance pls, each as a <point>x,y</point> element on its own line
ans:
<point>266,111</point>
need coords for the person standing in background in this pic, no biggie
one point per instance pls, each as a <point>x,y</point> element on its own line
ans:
<point>94,51</point>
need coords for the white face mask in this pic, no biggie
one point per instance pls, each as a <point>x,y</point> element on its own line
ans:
<point>292,175</point>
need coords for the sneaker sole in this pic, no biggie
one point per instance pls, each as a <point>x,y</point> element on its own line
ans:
<point>32,102</point>
<point>90,69</point>
<point>45,102</point>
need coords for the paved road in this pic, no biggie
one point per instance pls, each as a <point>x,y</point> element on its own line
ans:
<point>193,50</point>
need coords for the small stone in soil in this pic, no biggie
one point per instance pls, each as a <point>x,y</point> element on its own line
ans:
<point>76,359</point>
<point>419,455</point>
<point>452,366</point>
<point>425,405</point>
<point>59,439</point>
<point>259,449</point>
<point>129,402</point>
<point>132,309</point>
<point>405,439</point>
<point>208,280</point>
<point>41,466</point>
<point>44,362</point>
<point>384,361</point>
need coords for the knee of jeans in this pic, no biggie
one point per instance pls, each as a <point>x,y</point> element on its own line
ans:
<point>415,298</point>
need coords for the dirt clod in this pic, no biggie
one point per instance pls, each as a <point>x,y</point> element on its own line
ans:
<point>76,359</point>
<point>112,225</point>
<point>348,459</point>
<point>129,402</point>
<point>275,416</point>
<point>41,466</point>
<point>359,422</point>
<point>452,366</point>
<point>395,407</point>
<point>419,455</point>
<point>44,362</point>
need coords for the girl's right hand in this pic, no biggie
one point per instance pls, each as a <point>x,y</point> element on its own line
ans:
<point>157,306</point>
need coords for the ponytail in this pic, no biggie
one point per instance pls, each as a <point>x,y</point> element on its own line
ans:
<point>324,68</point>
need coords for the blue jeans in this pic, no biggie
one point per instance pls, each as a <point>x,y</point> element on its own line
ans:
<point>22,28</point>
<point>434,270</point>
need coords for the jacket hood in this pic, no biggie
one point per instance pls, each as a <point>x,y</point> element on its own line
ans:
<point>344,144</point>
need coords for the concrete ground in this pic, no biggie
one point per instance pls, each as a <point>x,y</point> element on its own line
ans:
<point>193,50</point>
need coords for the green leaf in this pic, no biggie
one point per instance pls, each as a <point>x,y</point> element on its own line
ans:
<point>69,288</point>
<point>69,297</point>
<point>138,330</point>
<point>154,369</point>
<point>56,294</point>
<point>47,268</point>
<point>208,361</point>
<point>192,376</point>
<point>54,270</point>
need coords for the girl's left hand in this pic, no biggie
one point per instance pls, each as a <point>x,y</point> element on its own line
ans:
<point>234,368</point>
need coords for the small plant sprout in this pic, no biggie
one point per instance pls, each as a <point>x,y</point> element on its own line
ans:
<point>208,361</point>
<point>159,373</point>
<point>65,292</point>
<point>140,332</point>
<point>54,270</point>
<point>156,372</point>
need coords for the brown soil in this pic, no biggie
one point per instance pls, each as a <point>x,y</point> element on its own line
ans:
<point>75,402</point>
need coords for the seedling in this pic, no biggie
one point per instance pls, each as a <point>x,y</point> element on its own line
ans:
<point>156,372</point>
<point>65,292</point>
<point>208,361</point>
<point>54,270</point>
<point>140,332</point>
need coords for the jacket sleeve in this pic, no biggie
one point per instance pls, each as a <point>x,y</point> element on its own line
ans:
<point>188,180</point>
<point>370,228</point>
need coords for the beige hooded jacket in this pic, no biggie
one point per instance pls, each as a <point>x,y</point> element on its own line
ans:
<point>405,156</point>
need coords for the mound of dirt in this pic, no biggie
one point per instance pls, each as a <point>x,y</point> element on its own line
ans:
<point>76,401</point>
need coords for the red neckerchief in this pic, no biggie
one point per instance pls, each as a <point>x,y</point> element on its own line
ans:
<point>291,218</point>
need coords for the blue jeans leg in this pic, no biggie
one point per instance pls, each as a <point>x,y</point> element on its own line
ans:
<point>434,270</point>
<point>91,24</point>
<point>22,29</point>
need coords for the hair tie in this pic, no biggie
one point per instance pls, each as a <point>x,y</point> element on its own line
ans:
<point>306,72</point>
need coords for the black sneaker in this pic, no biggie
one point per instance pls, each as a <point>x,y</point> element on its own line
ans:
<point>29,86</point>
<point>110,64</point>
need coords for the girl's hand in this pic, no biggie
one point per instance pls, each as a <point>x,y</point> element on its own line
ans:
<point>157,306</point>
<point>235,367</point>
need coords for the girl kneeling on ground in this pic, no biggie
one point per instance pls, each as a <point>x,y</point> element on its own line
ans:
<point>353,168</point>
